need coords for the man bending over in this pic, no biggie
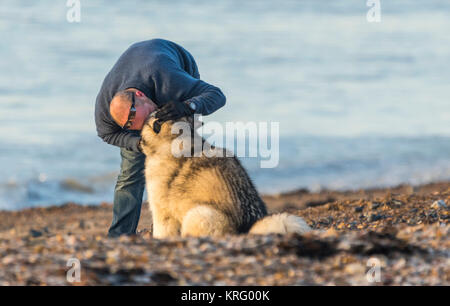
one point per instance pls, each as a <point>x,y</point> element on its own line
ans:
<point>151,74</point>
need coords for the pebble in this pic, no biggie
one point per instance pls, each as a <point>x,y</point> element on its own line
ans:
<point>355,268</point>
<point>375,217</point>
<point>35,233</point>
<point>359,209</point>
<point>411,240</point>
<point>375,205</point>
<point>439,204</point>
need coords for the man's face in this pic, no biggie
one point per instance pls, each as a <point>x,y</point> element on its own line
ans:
<point>144,107</point>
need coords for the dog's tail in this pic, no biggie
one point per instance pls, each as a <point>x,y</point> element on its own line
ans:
<point>283,223</point>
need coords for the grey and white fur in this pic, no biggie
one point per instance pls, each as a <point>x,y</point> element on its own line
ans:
<point>203,196</point>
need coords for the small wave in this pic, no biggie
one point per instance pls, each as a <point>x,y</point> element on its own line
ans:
<point>74,185</point>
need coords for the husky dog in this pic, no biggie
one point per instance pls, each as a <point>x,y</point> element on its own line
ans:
<point>200,195</point>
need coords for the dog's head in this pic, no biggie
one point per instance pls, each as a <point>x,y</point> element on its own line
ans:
<point>156,135</point>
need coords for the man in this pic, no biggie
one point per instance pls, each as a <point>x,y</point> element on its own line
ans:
<point>151,74</point>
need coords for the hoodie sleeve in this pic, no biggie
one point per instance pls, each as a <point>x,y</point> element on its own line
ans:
<point>123,139</point>
<point>111,133</point>
<point>174,84</point>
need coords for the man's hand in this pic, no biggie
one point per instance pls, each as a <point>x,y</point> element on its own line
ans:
<point>173,111</point>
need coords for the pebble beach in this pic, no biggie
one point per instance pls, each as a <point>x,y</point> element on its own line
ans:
<point>391,236</point>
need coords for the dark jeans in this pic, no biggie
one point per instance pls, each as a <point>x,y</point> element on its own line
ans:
<point>128,194</point>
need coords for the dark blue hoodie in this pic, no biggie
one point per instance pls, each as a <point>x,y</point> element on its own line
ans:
<point>163,71</point>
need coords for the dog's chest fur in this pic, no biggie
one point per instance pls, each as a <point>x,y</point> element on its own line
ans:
<point>176,185</point>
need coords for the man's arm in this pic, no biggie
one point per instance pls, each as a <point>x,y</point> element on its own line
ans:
<point>208,100</point>
<point>123,139</point>
<point>174,84</point>
<point>112,133</point>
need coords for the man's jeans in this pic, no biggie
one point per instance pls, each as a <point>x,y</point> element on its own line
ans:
<point>128,194</point>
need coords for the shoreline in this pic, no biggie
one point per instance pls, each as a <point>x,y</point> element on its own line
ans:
<point>305,193</point>
<point>401,226</point>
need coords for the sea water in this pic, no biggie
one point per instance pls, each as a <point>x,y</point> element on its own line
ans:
<point>359,104</point>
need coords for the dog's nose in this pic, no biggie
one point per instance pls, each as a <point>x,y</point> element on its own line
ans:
<point>154,124</point>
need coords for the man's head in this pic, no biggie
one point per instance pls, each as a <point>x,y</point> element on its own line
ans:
<point>121,105</point>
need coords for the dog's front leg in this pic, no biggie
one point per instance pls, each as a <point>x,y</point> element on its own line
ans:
<point>165,226</point>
